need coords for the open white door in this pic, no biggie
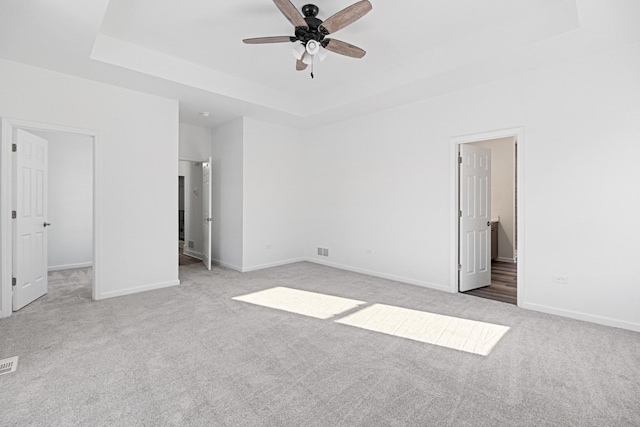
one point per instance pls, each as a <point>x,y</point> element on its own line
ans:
<point>475,217</point>
<point>206,212</point>
<point>30,226</point>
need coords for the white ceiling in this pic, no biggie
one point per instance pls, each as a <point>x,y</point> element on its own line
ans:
<point>192,50</point>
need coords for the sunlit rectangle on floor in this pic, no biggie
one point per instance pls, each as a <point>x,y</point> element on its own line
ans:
<point>311,304</point>
<point>452,332</point>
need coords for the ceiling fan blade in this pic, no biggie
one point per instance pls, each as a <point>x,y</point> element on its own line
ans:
<point>263,40</point>
<point>291,13</point>
<point>343,48</point>
<point>300,66</point>
<point>345,17</point>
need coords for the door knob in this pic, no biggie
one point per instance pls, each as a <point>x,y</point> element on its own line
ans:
<point>46,224</point>
<point>488,223</point>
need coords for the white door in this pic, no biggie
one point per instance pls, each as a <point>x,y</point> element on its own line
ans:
<point>30,226</point>
<point>206,212</point>
<point>475,217</point>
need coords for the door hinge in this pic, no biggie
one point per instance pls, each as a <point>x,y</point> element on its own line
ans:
<point>459,267</point>
<point>460,159</point>
<point>14,147</point>
<point>13,281</point>
<point>14,214</point>
<point>460,214</point>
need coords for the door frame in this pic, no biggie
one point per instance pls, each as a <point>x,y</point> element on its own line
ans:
<point>518,133</point>
<point>187,211</point>
<point>6,188</point>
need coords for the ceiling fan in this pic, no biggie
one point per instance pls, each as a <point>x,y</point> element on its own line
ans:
<point>310,32</point>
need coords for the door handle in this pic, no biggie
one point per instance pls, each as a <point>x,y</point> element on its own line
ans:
<point>46,224</point>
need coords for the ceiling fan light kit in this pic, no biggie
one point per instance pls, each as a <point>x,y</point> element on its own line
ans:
<point>298,50</point>
<point>312,47</point>
<point>311,32</point>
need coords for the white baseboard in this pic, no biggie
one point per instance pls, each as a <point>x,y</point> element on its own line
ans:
<point>601,320</point>
<point>226,265</point>
<point>408,280</point>
<point>511,260</point>
<point>272,264</point>
<point>192,254</point>
<point>69,266</point>
<point>135,290</point>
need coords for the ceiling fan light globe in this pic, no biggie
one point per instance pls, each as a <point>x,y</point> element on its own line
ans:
<point>298,50</point>
<point>312,47</point>
<point>322,54</point>
<point>307,59</point>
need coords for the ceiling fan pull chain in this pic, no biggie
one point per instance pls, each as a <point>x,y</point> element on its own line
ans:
<point>312,61</point>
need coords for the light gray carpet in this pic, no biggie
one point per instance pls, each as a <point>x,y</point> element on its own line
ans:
<point>190,355</point>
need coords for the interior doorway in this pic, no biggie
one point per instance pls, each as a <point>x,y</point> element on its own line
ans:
<point>190,227</point>
<point>49,238</point>
<point>503,225</point>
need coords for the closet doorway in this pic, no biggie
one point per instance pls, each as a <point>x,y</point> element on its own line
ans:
<point>493,251</point>
<point>49,239</point>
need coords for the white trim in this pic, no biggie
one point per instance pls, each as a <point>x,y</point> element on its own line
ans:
<point>8,124</point>
<point>192,254</point>
<point>5,219</point>
<point>402,279</point>
<point>578,315</point>
<point>69,266</point>
<point>511,260</point>
<point>518,133</point>
<point>226,265</point>
<point>143,288</point>
<point>272,264</point>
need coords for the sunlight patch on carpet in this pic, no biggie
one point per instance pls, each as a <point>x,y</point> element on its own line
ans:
<point>466,335</point>
<point>311,304</point>
<point>446,331</point>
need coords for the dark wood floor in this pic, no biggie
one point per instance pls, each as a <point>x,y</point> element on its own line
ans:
<point>503,283</point>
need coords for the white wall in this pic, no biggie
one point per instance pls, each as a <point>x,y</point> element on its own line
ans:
<point>195,142</point>
<point>258,196</point>
<point>502,192</point>
<point>136,171</point>
<point>227,194</point>
<point>274,195</point>
<point>70,201</point>
<point>383,183</point>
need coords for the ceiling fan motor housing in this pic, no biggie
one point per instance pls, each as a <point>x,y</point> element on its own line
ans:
<point>311,32</point>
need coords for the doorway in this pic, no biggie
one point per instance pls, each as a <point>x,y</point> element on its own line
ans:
<point>190,227</point>
<point>504,281</point>
<point>65,226</point>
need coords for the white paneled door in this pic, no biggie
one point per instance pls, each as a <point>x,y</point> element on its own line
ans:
<point>475,217</point>
<point>206,212</point>
<point>29,226</point>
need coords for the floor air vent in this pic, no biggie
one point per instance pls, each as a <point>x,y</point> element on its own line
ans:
<point>8,365</point>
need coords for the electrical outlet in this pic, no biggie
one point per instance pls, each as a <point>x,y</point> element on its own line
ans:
<point>559,278</point>
<point>369,252</point>
<point>190,244</point>
<point>267,247</point>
